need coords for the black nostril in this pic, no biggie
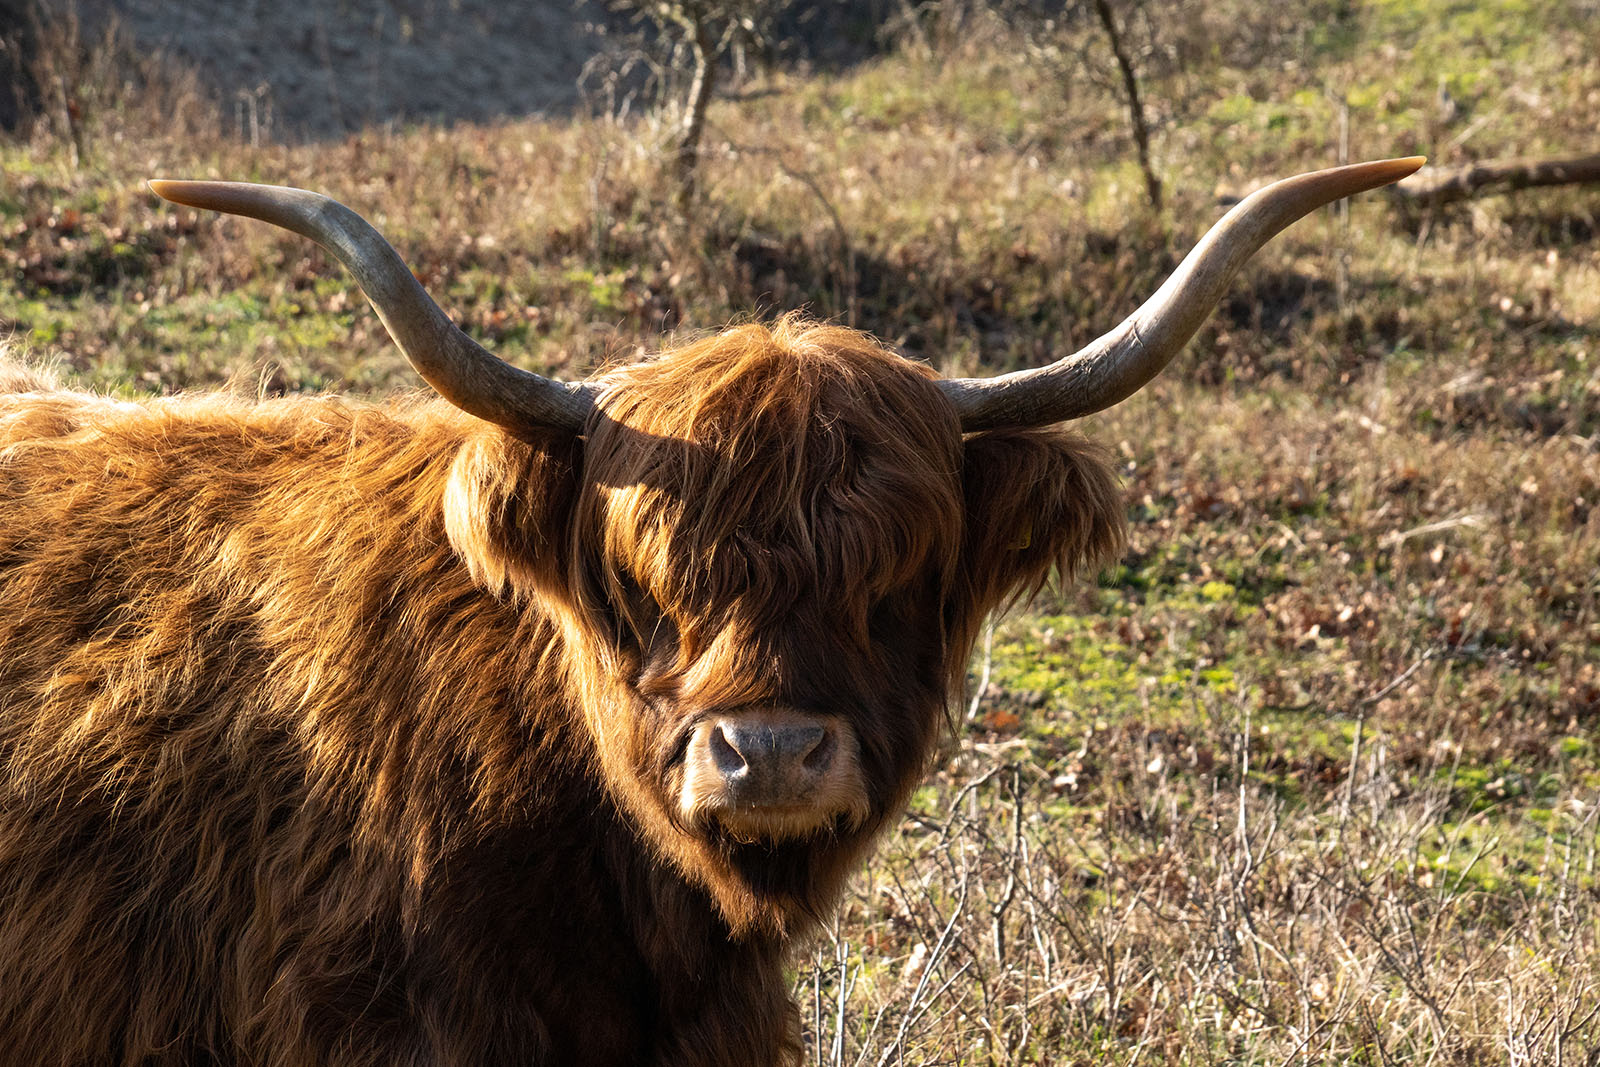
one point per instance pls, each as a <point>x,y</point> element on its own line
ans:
<point>724,753</point>
<point>820,754</point>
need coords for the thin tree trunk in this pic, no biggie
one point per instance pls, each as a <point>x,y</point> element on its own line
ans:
<point>694,119</point>
<point>1130,84</point>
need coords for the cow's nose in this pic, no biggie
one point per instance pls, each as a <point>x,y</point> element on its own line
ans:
<point>766,755</point>
<point>772,774</point>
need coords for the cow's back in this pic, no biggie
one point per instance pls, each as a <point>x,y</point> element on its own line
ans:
<point>226,637</point>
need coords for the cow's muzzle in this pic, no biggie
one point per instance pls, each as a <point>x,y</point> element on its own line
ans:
<point>772,774</point>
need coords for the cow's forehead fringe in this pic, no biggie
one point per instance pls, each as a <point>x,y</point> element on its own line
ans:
<point>735,391</point>
<point>798,456</point>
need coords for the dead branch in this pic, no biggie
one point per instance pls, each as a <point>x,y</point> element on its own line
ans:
<point>1432,186</point>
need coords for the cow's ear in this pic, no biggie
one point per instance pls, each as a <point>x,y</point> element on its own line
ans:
<point>1037,502</point>
<point>508,510</point>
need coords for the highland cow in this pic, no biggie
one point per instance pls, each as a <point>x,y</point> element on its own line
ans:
<point>533,725</point>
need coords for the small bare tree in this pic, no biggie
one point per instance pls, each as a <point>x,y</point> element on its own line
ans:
<point>1058,35</point>
<point>698,35</point>
<point>1130,89</point>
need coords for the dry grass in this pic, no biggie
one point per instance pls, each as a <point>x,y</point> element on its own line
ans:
<point>1314,775</point>
<point>1220,924</point>
<point>1338,804</point>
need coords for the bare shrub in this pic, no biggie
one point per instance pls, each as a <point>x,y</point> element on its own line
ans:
<point>1191,920</point>
<point>80,86</point>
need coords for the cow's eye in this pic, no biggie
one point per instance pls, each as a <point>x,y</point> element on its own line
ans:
<point>884,620</point>
<point>658,649</point>
<point>639,617</point>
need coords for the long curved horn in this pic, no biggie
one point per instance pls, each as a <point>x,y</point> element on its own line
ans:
<point>463,371</point>
<point>1117,365</point>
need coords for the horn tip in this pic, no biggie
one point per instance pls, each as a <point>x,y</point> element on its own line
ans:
<point>1405,166</point>
<point>176,190</point>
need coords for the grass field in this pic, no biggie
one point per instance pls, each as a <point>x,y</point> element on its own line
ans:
<point>1313,775</point>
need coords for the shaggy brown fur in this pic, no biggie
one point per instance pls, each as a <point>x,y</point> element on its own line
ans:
<point>346,735</point>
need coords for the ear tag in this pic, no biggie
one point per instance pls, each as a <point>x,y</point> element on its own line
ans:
<point>1023,539</point>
